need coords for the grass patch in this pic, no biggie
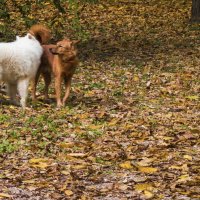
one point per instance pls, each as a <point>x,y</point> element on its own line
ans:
<point>91,134</point>
<point>4,118</point>
<point>7,147</point>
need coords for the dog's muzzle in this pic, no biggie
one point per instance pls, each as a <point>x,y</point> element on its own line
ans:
<point>52,50</point>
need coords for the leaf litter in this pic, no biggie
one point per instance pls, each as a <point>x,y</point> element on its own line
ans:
<point>131,127</point>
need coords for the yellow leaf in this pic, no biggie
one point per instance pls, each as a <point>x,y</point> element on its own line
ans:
<point>185,192</point>
<point>136,78</point>
<point>81,155</point>
<point>5,195</point>
<point>195,97</point>
<point>143,187</point>
<point>66,144</point>
<point>12,107</point>
<point>40,165</point>
<point>89,94</point>
<point>146,70</point>
<point>184,178</point>
<point>147,169</point>
<point>38,160</point>
<point>187,157</point>
<point>65,172</point>
<point>29,181</point>
<point>168,138</point>
<point>79,167</point>
<point>68,192</point>
<point>148,194</point>
<point>101,114</point>
<point>113,122</point>
<point>175,167</point>
<point>83,197</point>
<point>83,116</point>
<point>197,196</point>
<point>184,167</point>
<point>94,127</point>
<point>126,165</point>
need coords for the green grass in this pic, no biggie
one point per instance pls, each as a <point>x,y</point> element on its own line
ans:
<point>4,118</point>
<point>6,146</point>
<point>90,134</point>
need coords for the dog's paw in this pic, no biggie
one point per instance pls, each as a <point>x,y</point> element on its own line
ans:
<point>59,104</point>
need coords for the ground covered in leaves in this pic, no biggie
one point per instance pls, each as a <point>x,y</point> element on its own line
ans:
<point>130,129</point>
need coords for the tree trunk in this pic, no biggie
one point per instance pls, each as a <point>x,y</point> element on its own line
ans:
<point>195,11</point>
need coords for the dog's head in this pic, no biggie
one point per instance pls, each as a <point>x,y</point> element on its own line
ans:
<point>66,48</point>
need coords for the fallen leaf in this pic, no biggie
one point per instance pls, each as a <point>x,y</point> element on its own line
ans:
<point>113,122</point>
<point>41,165</point>
<point>136,78</point>
<point>39,162</point>
<point>79,167</point>
<point>183,167</point>
<point>148,170</point>
<point>143,187</point>
<point>77,154</point>
<point>94,127</point>
<point>187,157</point>
<point>65,172</point>
<point>184,178</point>
<point>5,195</point>
<point>29,181</point>
<point>66,144</point>
<point>126,165</point>
<point>194,97</point>
<point>145,162</point>
<point>146,69</point>
<point>122,187</point>
<point>148,194</point>
<point>68,192</point>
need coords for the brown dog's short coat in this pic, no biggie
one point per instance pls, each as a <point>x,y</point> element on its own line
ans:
<point>61,60</point>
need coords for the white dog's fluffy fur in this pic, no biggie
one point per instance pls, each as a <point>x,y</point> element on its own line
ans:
<point>19,61</point>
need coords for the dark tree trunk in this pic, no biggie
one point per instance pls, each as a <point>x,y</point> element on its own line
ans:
<point>195,11</point>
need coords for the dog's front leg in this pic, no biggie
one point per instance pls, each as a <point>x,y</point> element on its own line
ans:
<point>67,88</point>
<point>23,91</point>
<point>58,90</point>
<point>12,91</point>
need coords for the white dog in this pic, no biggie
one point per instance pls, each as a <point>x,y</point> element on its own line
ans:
<point>19,62</point>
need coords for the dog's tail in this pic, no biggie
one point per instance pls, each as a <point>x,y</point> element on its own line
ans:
<point>41,33</point>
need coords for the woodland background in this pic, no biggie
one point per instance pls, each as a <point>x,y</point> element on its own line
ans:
<point>130,129</point>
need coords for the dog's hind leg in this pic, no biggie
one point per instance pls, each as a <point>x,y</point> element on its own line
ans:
<point>23,91</point>
<point>34,84</point>
<point>67,88</point>
<point>47,81</point>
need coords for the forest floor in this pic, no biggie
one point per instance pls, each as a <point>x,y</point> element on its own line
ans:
<point>131,127</point>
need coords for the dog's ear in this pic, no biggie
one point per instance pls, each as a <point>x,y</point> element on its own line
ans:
<point>75,42</point>
<point>29,36</point>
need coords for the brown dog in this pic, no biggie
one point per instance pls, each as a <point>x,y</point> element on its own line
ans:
<point>61,60</point>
